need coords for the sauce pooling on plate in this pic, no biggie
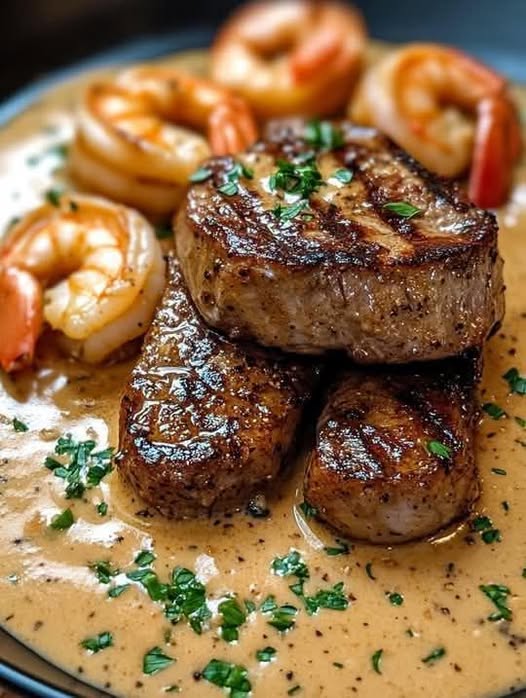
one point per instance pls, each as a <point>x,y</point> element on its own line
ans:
<point>138,605</point>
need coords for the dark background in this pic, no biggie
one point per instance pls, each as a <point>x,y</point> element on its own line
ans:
<point>40,35</point>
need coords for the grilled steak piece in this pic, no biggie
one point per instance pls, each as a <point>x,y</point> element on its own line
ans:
<point>394,455</point>
<point>205,423</point>
<point>347,272</point>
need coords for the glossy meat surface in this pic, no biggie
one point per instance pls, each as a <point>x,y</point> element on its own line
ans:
<point>351,274</point>
<point>206,423</point>
<point>394,457</point>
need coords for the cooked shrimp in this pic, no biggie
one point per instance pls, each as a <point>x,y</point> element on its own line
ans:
<point>449,112</point>
<point>292,57</point>
<point>91,269</point>
<point>136,141</point>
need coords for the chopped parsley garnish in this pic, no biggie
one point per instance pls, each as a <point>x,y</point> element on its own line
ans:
<point>499,471</point>
<point>144,558</point>
<point>155,660</point>
<point>291,178</point>
<point>308,511</point>
<point>434,655</point>
<point>403,209</point>
<point>98,643</point>
<point>395,598</point>
<point>116,591</point>
<point>82,467</point>
<point>494,411</point>
<point>59,150</point>
<point>150,581</point>
<point>343,175</point>
<point>290,564</point>
<point>437,448</point>
<point>231,186</point>
<point>53,196</point>
<point>267,654</point>
<point>521,422</point>
<point>484,526</point>
<point>341,549</point>
<point>295,689</point>
<point>62,521</point>
<point>498,595</point>
<point>18,425</point>
<point>250,606</point>
<point>174,688</point>
<point>103,570</point>
<point>200,175</point>
<point>369,570</point>
<point>376,661</point>
<point>287,212</point>
<point>232,677</point>
<point>283,617</point>
<point>323,135</point>
<point>516,382</point>
<point>334,599</point>
<point>233,617</point>
<point>102,508</point>
<point>163,231</point>
<point>269,604</point>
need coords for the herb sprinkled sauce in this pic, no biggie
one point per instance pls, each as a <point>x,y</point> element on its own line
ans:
<point>269,605</point>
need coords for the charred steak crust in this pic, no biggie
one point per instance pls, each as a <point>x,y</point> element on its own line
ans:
<point>371,474</point>
<point>205,423</point>
<point>352,275</point>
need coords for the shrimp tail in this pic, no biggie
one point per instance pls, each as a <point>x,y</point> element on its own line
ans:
<point>21,317</point>
<point>231,128</point>
<point>498,144</point>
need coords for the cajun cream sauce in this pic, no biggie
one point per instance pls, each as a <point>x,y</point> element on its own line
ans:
<point>51,600</point>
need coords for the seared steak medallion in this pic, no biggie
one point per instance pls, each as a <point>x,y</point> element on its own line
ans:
<point>394,456</point>
<point>348,268</point>
<point>205,423</point>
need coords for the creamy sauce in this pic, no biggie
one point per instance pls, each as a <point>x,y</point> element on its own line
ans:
<point>51,600</point>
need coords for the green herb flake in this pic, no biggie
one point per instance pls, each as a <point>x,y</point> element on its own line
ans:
<point>492,535</point>
<point>103,570</point>
<point>233,617</point>
<point>341,549</point>
<point>498,595</point>
<point>323,135</point>
<point>144,558</point>
<point>283,618</point>
<point>516,382</point>
<point>62,521</point>
<point>481,523</point>
<point>155,661</point>
<point>116,591</point>
<point>524,572</point>
<point>268,605</point>
<point>286,213</point>
<point>200,175</point>
<point>333,599</point>
<point>20,426</point>
<point>250,606</point>
<point>174,688</point>
<point>308,511</point>
<point>228,188</point>
<point>403,209</point>
<point>293,178</point>
<point>98,643</point>
<point>376,661</point>
<point>343,175</point>
<point>58,150</point>
<point>438,449</point>
<point>295,689</point>
<point>369,571</point>
<point>395,598</point>
<point>163,231</point>
<point>434,655</point>
<point>232,677</point>
<point>493,410</point>
<point>521,422</point>
<point>102,508</point>
<point>82,467</point>
<point>499,471</point>
<point>291,564</point>
<point>267,654</point>
<point>150,581</point>
<point>53,196</point>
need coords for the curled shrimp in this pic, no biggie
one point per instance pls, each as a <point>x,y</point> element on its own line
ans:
<point>292,57</point>
<point>91,269</point>
<point>448,111</point>
<point>136,140</point>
